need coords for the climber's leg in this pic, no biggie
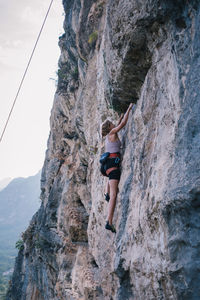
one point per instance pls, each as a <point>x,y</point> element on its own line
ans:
<point>113,195</point>
<point>108,188</point>
<point>107,194</point>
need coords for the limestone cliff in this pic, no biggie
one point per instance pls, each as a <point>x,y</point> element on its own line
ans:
<point>114,53</point>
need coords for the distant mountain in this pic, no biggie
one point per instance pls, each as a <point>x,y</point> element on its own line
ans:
<point>19,200</point>
<point>4,182</point>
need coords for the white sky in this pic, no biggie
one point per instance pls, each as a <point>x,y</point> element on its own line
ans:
<point>23,147</point>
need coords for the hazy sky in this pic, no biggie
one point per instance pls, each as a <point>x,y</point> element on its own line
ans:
<point>23,147</point>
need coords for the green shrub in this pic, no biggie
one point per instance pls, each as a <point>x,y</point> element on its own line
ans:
<point>62,75</point>
<point>93,150</point>
<point>93,38</point>
<point>19,245</point>
<point>66,73</point>
<point>74,74</point>
<point>72,89</point>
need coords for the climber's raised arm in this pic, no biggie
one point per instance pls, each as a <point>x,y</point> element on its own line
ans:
<point>120,119</point>
<point>123,121</point>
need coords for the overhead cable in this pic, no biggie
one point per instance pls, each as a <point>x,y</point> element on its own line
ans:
<point>24,75</point>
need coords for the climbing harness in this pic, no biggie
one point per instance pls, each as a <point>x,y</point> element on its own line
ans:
<point>104,158</point>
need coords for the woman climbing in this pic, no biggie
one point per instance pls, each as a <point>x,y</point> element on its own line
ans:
<point>112,145</point>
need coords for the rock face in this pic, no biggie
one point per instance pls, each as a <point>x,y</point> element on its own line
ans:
<point>114,53</point>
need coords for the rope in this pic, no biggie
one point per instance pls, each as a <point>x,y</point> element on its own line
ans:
<point>21,83</point>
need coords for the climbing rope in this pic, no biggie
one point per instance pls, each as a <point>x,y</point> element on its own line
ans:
<point>24,75</point>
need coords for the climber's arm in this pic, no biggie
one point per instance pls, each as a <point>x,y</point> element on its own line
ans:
<point>123,121</point>
<point>120,119</point>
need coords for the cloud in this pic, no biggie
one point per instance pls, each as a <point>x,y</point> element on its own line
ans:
<point>21,20</point>
<point>9,43</point>
<point>6,67</point>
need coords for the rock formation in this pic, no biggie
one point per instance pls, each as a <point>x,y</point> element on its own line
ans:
<point>113,53</point>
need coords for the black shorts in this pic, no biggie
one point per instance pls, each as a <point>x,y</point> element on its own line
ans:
<point>115,174</point>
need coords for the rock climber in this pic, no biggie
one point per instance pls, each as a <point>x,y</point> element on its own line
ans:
<point>112,165</point>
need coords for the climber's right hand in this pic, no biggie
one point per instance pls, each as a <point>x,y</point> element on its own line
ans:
<point>130,106</point>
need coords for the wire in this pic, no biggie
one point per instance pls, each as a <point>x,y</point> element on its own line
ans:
<point>21,83</point>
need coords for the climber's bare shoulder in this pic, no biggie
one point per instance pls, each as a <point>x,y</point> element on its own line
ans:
<point>116,129</point>
<point>113,137</point>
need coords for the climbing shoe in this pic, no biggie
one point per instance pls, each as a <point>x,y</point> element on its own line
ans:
<point>107,197</point>
<point>110,227</point>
